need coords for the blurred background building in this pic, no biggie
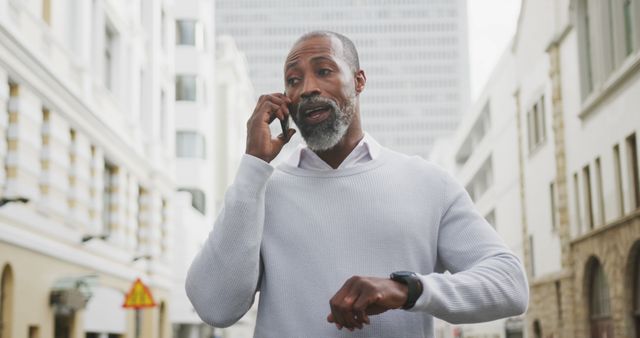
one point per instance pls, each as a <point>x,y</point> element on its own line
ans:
<point>82,139</point>
<point>195,128</point>
<point>552,144</point>
<point>123,122</point>
<point>414,53</point>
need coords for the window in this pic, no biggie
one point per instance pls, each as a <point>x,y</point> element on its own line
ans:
<point>189,33</point>
<point>584,27</point>
<point>198,199</point>
<point>6,301</point>
<point>576,192</point>
<point>618,177</point>
<point>71,200</point>
<point>161,320</point>
<point>142,215</point>
<point>636,291</point>
<point>46,11</point>
<point>628,26</point>
<point>107,75</point>
<point>634,180</point>
<point>602,217</point>
<point>477,134</point>
<point>186,87</point>
<point>163,117</point>
<point>531,256</point>
<point>588,203</point>
<point>536,125</point>
<point>190,144</point>
<point>108,195</point>
<point>599,302</point>
<point>559,301</point>
<point>481,181</point>
<point>63,325</point>
<point>609,26</point>
<point>34,331</point>
<point>163,229</point>
<point>608,41</point>
<point>537,329</point>
<point>163,30</point>
<point>552,198</point>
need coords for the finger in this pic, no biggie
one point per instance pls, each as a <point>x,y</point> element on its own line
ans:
<point>268,111</point>
<point>360,307</point>
<point>337,305</point>
<point>280,141</point>
<point>285,109</point>
<point>283,97</point>
<point>347,313</point>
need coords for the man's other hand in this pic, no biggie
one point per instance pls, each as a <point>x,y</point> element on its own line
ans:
<point>260,143</point>
<point>360,297</point>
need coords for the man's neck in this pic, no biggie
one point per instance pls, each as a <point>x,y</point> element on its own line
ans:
<point>336,155</point>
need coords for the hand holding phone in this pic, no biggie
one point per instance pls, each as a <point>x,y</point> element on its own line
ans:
<point>260,142</point>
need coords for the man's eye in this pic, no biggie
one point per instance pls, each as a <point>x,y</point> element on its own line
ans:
<point>324,72</point>
<point>292,81</point>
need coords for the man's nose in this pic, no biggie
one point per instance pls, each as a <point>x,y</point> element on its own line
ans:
<point>310,87</point>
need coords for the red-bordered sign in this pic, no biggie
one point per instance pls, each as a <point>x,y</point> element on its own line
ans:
<point>138,297</point>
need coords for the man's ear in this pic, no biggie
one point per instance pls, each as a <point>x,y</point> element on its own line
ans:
<point>360,80</point>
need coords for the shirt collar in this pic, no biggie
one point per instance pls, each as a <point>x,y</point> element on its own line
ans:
<point>367,149</point>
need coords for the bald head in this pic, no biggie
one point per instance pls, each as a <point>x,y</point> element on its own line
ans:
<point>349,52</point>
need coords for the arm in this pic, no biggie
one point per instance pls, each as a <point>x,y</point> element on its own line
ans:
<point>224,276</point>
<point>487,280</point>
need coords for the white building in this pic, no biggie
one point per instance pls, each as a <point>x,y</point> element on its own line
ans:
<point>234,104</point>
<point>573,95</point>
<point>210,138</point>
<point>195,133</point>
<point>414,53</point>
<point>481,156</point>
<point>87,142</point>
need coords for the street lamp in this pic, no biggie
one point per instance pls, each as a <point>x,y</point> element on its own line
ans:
<point>139,257</point>
<point>87,238</point>
<point>5,200</point>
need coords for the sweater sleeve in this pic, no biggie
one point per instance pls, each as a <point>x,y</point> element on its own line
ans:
<point>485,280</point>
<point>224,276</point>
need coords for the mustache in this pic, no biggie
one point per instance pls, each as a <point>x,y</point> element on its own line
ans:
<point>311,102</point>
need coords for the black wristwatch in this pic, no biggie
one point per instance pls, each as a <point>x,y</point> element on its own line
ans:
<point>413,283</point>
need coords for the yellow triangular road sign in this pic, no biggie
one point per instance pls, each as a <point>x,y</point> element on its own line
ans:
<point>139,296</point>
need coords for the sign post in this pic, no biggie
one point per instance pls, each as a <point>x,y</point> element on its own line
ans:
<point>139,297</point>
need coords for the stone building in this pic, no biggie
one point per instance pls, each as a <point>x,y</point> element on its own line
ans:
<point>85,103</point>
<point>574,67</point>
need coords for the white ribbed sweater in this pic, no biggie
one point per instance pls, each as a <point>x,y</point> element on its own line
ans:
<point>297,235</point>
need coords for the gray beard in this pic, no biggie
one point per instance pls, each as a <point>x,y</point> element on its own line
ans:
<point>328,133</point>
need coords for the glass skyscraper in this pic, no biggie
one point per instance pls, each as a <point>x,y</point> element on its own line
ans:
<point>414,53</point>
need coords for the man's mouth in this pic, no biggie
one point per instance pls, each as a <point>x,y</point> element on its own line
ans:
<point>314,115</point>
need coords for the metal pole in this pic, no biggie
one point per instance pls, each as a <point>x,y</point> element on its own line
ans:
<point>138,320</point>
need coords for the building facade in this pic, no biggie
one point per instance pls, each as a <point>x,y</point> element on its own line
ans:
<point>573,101</point>
<point>213,99</point>
<point>414,53</point>
<point>481,155</point>
<point>84,141</point>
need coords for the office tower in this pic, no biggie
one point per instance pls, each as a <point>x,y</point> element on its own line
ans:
<point>414,53</point>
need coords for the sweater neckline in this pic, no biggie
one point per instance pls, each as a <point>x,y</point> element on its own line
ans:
<point>372,164</point>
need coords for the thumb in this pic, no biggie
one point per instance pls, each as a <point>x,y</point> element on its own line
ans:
<point>281,140</point>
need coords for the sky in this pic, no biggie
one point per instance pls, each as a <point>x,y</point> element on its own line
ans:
<point>492,24</point>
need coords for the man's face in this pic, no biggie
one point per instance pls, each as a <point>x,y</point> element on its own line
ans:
<point>321,87</point>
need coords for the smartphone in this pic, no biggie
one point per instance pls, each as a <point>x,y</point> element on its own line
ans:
<point>285,124</point>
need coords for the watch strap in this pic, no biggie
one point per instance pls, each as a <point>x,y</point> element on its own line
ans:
<point>414,286</point>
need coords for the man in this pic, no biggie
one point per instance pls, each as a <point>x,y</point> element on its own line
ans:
<point>320,235</point>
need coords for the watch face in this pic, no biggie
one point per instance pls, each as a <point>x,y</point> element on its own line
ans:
<point>401,274</point>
